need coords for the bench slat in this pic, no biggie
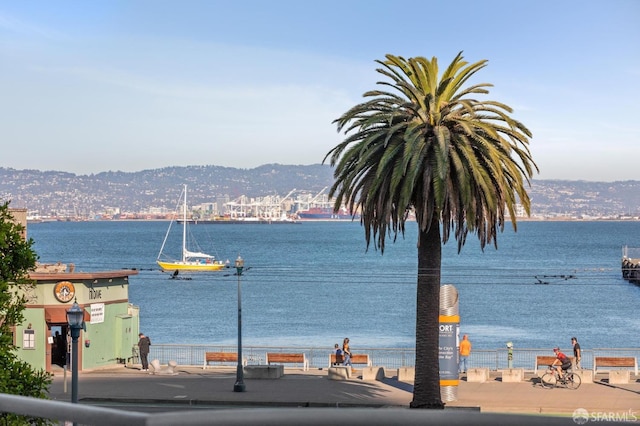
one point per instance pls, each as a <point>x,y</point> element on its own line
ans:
<point>606,361</point>
<point>281,358</point>
<point>276,357</point>
<point>547,360</point>
<point>613,361</point>
<point>355,359</point>
<point>221,357</point>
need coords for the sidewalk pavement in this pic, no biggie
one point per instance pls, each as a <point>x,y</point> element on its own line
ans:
<point>195,387</point>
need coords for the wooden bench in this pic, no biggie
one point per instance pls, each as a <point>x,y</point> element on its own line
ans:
<point>617,362</point>
<point>286,358</point>
<point>221,357</point>
<point>355,359</point>
<point>547,360</point>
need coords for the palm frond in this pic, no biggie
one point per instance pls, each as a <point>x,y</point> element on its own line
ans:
<point>424,143</point>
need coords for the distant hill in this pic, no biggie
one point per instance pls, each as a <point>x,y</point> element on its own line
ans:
<point>56,192</point>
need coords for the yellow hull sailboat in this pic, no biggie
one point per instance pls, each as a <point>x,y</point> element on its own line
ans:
<point>191,261</point>
<point>191,266</point>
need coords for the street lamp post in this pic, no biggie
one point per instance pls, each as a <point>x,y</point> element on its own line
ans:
<point>239,385</point>
<point>75,318</point>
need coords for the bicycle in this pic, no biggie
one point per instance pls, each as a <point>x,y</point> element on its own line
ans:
<point>551,379</point>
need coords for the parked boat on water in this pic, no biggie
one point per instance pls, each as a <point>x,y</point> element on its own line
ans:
<point>191,261</point>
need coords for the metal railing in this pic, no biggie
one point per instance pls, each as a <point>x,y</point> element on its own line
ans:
<point>526,358</point>
<point>391,358</point>
<point>255,355</point>
<point>64,413</point>
<point>67,412</point>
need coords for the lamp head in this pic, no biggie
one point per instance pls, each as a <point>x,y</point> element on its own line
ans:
<point>75,316</point>
<point>239,264</point>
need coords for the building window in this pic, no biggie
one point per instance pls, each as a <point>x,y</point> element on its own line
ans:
<point>29,339</point>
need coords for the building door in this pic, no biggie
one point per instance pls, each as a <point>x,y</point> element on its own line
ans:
<point>59,345</point>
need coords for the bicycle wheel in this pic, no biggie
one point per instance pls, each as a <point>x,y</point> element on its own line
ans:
<point>548,380</point>
<point>573,381</point>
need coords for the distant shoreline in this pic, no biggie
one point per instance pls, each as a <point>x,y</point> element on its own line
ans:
<point>299,221</point>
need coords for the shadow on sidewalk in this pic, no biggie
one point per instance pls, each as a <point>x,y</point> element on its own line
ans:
<point>395,383</point>
<point>605,382</point>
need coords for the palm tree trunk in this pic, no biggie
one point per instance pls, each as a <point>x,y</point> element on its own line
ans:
<point>426,390</point>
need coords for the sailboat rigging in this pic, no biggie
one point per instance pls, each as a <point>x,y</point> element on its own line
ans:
<point>191,261</point>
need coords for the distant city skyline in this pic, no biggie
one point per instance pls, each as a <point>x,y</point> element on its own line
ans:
<point>156,191</point>
<point>89,87</point>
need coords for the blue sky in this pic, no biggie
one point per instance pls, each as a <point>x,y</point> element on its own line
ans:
<point>92,86</point>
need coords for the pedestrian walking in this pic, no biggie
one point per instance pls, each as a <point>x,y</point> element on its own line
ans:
<point>346,352</point>
<point>143,349</point>
<point>577,352</point>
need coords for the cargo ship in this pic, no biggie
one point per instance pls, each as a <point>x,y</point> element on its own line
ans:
<point>243,221</point>
<point>325,213</point>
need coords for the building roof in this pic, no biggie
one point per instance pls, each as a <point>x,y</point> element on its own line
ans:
<point>71,276</point>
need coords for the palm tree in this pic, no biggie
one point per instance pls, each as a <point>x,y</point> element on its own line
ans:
<point>427,145</point>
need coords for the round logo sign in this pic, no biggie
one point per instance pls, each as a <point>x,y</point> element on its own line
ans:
<point>580,416</point>
<point>64,291</point>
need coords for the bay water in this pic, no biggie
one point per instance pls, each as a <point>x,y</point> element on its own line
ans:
<point>314,283</point>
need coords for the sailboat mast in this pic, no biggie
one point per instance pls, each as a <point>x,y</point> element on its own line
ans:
<point>184,225</point>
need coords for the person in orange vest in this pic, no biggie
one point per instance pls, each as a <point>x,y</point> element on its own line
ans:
<point>465,351</point>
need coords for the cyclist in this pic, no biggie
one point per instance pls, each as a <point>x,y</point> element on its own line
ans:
<point>562,362</point>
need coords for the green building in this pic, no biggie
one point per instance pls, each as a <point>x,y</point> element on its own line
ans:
<point>111,322</point>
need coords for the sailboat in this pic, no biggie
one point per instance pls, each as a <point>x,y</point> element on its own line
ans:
<point>192,261</point>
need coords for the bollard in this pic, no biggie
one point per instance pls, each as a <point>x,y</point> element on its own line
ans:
<point>509,355</point>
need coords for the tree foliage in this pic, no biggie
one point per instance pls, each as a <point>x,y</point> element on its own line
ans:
<point>425,144</point>
<point>17,259</point>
